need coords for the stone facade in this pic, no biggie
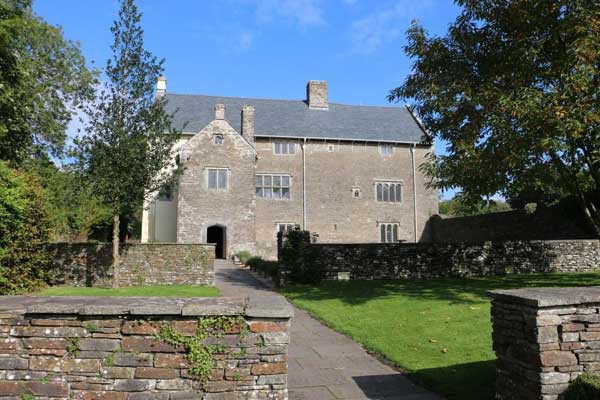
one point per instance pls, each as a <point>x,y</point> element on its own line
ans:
<point>99,348</point>
<point>424,260</point>
<point>89,264</point>
<point>544,339</point>
<point>333,182</point>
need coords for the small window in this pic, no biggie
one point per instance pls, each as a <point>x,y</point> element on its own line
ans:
<point>284,148</point>
<point>386,149</point>
<point>330,148</point>
<point>388,233</point>
<point>217,178</point>
<point>286,227</point>
<point>218,139</point>
<point>356,193</point>
<point>273,186</point>
<point>389,192</point>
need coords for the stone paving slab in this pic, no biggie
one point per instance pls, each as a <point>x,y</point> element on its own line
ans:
<point>324,364</point>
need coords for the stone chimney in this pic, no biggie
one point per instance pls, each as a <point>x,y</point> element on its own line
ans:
<point>219,111</point>
<point>161,87</point>
<point>248,123</point>
<point>316,95</point>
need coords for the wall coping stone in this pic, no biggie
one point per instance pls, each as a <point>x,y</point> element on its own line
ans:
<point>135,244</point>
<point>549,297</point>
<point>429,244</point>
<point>265,306</point>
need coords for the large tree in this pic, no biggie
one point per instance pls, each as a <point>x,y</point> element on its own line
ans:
<point>43,79</point>
<point>127,148</point>
<point>513,87</point>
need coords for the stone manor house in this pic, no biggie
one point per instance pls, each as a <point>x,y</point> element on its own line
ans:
<point>253,167</point>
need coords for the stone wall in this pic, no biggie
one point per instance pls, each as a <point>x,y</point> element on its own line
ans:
<point>544,339</point>
<point>99,348</point>
<point>89,264</point>
<point>551,223</point>
<point>423,260</point>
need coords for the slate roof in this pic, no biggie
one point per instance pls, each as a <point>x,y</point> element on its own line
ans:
<point>293,118</point>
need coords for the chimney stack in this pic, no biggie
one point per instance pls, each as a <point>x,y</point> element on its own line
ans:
<point>161,87</point>
<point>316,95</point>
<point>219,111</point>
<point>248,123</point>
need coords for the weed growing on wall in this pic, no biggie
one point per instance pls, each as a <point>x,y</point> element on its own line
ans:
<point>199,355</point>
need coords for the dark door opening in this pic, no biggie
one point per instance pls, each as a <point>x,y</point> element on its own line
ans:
<point>217,234</point>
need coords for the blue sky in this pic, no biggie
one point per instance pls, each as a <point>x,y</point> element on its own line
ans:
<point>265,48</point>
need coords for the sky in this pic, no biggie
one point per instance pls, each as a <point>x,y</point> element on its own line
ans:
<point>265,48</point>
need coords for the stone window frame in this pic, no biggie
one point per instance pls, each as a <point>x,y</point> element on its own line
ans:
<point>356,192</point>
<point>287,226</point>
<point>386,149</point>
<point>388,232</point>
<point>278,147</point>
<point>227,178</point>
<point>390,182</point>
<point>218,139</point>
<point>272,186</point>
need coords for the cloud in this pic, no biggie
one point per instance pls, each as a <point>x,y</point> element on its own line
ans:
<point>245,40</point>
<point>303,12</point>
<point>385,25</point>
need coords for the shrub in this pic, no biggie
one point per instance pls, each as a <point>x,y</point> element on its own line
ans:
<point>253,262</point>
<point>243,256</point>
<point>24,228</point>
<point>298,257</point>
<point>269,268</point>
<point>585,387</point>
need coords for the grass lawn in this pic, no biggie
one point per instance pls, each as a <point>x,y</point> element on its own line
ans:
<point>163,291</point>
<point>438,330</point>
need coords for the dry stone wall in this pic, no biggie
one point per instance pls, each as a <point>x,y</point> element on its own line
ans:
<point>425,260</point>
<point>89,264</point>
<point>544,339</point>
<point>99,348</point>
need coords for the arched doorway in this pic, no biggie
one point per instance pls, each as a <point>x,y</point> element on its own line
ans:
<point>218,234</point>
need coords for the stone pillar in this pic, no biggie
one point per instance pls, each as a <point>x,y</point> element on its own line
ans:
<point>544,339</point>
<point>317,95</point>
<point>248,123</point>
<point>219,111</point>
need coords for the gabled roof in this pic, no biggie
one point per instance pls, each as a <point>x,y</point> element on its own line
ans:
<point>293,118</point>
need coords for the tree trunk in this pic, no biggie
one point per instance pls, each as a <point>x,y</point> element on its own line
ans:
<point>590,218</point>
<point>115,251</point>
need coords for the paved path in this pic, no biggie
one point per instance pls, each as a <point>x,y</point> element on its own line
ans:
<point>324,364</point>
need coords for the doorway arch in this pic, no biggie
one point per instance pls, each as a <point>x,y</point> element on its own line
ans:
<point>217,234</point>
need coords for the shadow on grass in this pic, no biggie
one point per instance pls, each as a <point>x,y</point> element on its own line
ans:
<point>453,290</point>
<point>470,381</point>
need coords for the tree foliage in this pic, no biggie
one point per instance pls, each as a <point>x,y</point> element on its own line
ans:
<point>24,228</point>
<point>127,148</point>
<point>458,207</point>
<point>513,88</point>
<point>43,79</point>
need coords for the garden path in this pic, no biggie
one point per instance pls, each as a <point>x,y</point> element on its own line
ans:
<point>324,364</point>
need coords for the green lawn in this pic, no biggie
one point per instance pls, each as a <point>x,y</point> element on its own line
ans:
<point>438,330</point>
<point>163,291</point>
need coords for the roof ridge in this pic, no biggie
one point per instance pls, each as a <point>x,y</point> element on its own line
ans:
<point>403,107</point>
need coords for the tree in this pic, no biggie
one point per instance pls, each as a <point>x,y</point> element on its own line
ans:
<point>513,87</point>
<point>126,150</point>
<point>459,208</point>
<point>43,79</point>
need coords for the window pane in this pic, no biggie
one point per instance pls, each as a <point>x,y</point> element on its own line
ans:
<point>392,193</point>
<point>386,192</point>
<point>281,227</point>
<point>379,192</point>
<point>284,148</point>
<point>292,148</point>
<point>276,193</point>
<point>267,193</point>
<point>276,181</point>
<point>212,178</point>
<point>382,233</point>
<point>395,234</point>
<point>258,192</point>
<point>398,192</point>
<point>285,181</point>
<point>258,180</point>
<point>222,179</point>
<point>277,148</point>
<point>388,230</point>
<point>285,193</point>
<point>267,180</point>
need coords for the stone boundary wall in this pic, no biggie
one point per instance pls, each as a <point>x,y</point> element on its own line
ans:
<point>100,348</point>
<point>425,260</point>
<point>89,264</point>
<point>544,339</point>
